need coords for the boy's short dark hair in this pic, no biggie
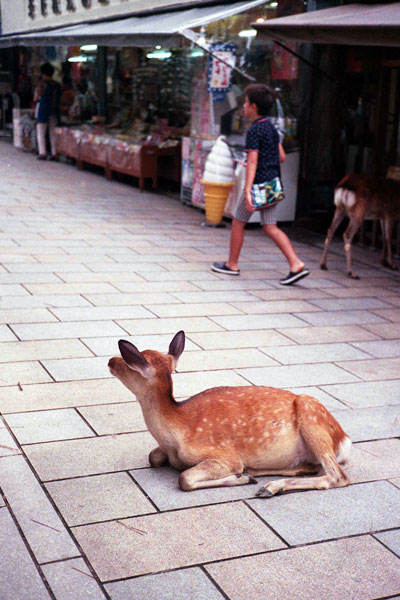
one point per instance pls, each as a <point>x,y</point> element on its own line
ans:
<point>47,69</point>
<point>260,95</point>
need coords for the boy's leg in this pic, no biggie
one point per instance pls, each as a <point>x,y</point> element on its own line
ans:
<point>285,246</point>
<point>235,244</point>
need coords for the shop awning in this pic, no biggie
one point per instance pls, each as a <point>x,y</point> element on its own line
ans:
<point>161,28</point>
<point>351,24</point>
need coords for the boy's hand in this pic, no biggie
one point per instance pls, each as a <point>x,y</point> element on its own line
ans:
<point>248,202</point>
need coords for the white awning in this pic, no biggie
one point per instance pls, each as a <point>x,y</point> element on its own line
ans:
<point>161,28</point>
<point>350,24</point>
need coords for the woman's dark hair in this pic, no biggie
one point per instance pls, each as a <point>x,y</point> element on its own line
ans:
<point>260,95</point>
<point>47,69</point>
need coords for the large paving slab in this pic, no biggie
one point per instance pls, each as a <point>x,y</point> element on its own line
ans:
<point>328,334</point>
<point>63,395</point>
<point>364,424</point>
<point>334,570</point>
<point>366,393</point>
<point>47,426</point>
<point>236,339</point>
<point>42,527</point>
<point>99,498</point>
<point>18,574</point>
<point>345,317</point>
<point>8,446</point>
<point>318,515</point>
<point>190,583</point>
<point>296,375</point>
<point>202,360</point>
<point>29,351</point>
<point>374,370</point>
<point>22,372</point>
<point>90,456</point>
<point>114,418</point>
<point>72,579</point>
<point>249,322</point>
<point>143,545</point>
<point>73,329</point>
<point>380,348</point>
<point>314,353</point>
<point>71,369</point>
<point>391,539</point>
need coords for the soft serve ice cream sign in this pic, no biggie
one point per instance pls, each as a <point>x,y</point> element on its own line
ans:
<point>218,180</point>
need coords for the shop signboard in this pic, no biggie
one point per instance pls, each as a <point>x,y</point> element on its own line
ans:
<point>221,60</point>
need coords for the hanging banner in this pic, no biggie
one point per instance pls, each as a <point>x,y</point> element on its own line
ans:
<point>284,65</point>
<point>219,80</point>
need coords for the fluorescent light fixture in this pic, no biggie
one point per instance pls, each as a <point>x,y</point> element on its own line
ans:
<point>247,33</point>
<point>159,54</point>
<point>272,5</point>
<point>78,59</point>
<point>89,47</point>
<point>158,47</point>
<point>196,53</point>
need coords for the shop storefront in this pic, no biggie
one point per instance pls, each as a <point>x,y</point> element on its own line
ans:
<point>144,103</point>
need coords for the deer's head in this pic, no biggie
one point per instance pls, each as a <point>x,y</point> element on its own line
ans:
<point>142,372</point>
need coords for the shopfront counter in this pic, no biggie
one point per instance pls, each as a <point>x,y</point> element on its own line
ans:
<point>121,154</point>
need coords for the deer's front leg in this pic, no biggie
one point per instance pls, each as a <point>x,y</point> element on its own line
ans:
<point>158,458</point>
<point>212,473</point>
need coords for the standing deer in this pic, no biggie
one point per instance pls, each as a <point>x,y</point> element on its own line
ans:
<point>225,436</point>
<point>360,197</point>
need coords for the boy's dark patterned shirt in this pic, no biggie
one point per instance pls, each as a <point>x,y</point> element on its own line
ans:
<point>263,137</point>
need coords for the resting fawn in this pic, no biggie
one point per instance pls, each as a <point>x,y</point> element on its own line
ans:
<point>225,436</point>
<point>360,197</point>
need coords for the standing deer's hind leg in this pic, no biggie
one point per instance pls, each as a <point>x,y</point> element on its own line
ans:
<point>387,230</point>
<point>338,217</point>
<point>213,473</point>
<point>348,235</point>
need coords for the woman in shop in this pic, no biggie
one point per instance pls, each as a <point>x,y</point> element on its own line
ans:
<point>47,94</point>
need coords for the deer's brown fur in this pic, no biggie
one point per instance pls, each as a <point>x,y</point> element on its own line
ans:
<point>360,197</point>
<point>227,435</point>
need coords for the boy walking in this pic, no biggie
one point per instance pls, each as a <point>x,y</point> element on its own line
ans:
<point>264,153</point>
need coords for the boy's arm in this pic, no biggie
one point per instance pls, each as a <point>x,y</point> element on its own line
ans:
<point>251,168</point>
<point>282,153</point>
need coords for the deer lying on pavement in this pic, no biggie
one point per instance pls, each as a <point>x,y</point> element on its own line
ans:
<point>360,197</point>
<point>226,436</point>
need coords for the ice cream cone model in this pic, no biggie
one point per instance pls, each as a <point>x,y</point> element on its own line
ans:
<point>218,180</point>
<point>215,196</point>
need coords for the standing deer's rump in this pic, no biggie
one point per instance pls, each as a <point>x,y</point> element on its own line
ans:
<point>225,436</point>
<point>360,197</point>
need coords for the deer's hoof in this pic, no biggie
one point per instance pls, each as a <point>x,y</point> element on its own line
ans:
<point>323,267</point>
<point>264,492</point>
<point>350,274</point>
<point>389,266</point>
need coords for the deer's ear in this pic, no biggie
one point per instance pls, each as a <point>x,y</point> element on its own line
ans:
<point>177,345</point>
<point>133,358</point>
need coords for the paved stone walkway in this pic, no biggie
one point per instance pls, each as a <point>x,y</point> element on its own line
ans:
<point>84,262</point>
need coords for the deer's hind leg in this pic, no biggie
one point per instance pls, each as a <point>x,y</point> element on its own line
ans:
<point>315,428</point>
<point>338,217</point>
<point>213,472</point>
<point>387,225</point>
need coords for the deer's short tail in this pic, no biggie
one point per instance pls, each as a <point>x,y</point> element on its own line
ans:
<point>343,451</point>
<point>344,198</point>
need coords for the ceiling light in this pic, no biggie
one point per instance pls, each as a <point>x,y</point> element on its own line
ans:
<point>159,54</point>
<point>78,59</point>
<point>89,47</point>
<point>247,33</point>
